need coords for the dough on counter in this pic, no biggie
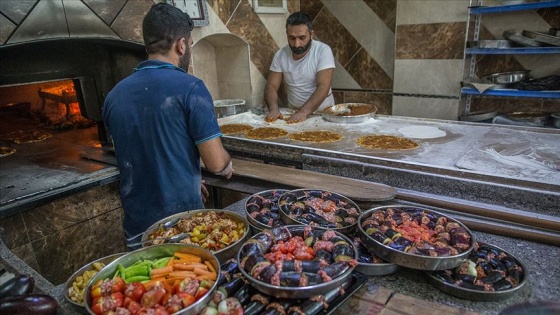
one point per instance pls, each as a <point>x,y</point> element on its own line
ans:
<point>230,129</point>
<point>319,136</point>
<point>386,142</point>
<point>27,136</point>
<point>266,133</point>
<point>5,151</point>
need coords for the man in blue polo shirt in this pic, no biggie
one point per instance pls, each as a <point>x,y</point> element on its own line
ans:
<point>162,123</point>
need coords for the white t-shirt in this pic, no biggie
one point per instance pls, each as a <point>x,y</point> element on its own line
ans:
<point>300,75</point>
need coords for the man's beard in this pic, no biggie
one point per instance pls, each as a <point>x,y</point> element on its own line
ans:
<point>185,60</point>
<point>301,50</point>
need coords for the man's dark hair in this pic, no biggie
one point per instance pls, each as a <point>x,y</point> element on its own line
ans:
<point>299,18</point>
<point>163,25</point>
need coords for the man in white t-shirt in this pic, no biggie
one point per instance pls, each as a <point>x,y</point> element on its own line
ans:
<point>306,66</point>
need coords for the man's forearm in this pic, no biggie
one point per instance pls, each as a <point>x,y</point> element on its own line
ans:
<point>271,99</point>
<point>315,100</point>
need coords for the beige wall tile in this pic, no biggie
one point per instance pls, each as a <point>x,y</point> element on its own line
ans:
<point>431,11</point>
<point>423,107</point>
<point>428,77</point>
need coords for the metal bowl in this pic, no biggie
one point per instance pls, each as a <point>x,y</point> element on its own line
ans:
<point>409,260</point>
<point>156,252</point>
<point>223,254</point>
<point>304,195</point>
<point>477,295</point>
<point>297,292</point>
<point>491,43</point>
<point>272,195</point>
<point>342,113</point>
<point>80,307</point>
<point>555,119</point>
<point>223,108</point>
<point>508,77</point>
<point>541,118</point>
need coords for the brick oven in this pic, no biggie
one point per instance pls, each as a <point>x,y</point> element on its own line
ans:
<point>56,69</point>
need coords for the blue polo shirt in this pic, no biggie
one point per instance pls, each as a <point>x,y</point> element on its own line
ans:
<point>156,117</point>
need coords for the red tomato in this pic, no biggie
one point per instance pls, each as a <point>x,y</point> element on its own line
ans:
<point>200,292</point>
<point>186,299</point>
<point>304,253</point>
<point>153,297</point>
<point>135,291</point>
<point>105,304</point>
<point>174,304</point>
<point>134,307</point>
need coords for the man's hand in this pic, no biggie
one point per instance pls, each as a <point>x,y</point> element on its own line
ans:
<point>273,115</point>
<point>297,117</point>
<point>204,191</point>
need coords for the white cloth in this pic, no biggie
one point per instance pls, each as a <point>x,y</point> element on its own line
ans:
<point>300,75</point>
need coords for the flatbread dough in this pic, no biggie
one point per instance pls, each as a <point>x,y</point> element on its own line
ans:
<point>316,136</point>
<point>421,132</point>
<point>27,136</point>
<point>231,129</point>
<point>5,151</point>
<point>387,142</point>
<point>266,133</point>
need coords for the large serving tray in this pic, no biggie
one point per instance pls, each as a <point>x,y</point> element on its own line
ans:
<point>413,261</point>
<point>155,252</point>
<point>287,292</point>
<point>224,254</point>
<point>471,294</point>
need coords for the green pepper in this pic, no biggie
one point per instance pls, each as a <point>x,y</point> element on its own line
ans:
<point>137,279</point>
<point>159,263</point>
<point>139,270</point>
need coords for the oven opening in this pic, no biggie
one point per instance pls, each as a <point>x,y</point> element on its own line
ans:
<point>45,133</point>
<point>31,113</point>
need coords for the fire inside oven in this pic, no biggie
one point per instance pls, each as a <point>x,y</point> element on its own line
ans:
<point>35,112</point>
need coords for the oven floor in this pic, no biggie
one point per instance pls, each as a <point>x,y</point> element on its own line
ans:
<point>45,166</point>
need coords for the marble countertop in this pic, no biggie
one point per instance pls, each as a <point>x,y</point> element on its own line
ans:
<point>541,261</point>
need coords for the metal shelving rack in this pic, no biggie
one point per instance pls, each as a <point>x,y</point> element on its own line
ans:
<point>470,53</point>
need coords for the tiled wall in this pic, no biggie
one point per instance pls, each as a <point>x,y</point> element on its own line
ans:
<point>406,56</point>
<point>58,238</point>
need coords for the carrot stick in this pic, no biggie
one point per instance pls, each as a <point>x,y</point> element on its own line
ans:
<point>162,270</point>
<point>182,274</point>
<point>210,266</point>
<point>159,277</point>
<point>200,271</point>
<point>188,266</point>
<point>171,261</point>
<point>187,256</point>
<point>207,276</point>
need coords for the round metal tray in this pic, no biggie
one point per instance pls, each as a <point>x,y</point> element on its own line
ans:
<point>298,292</point>
<point>155,252</point>
<point>382,269</point>
<point>341,113</point>
<point>508,77</point>
<point>413,261</point>
<point>223,254</point>
<point>533,117</point>
<point>372,269</point>
<point>273,195</point>
<point>81,308</point>
<point>472,294</point>
<point>303,194</point>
